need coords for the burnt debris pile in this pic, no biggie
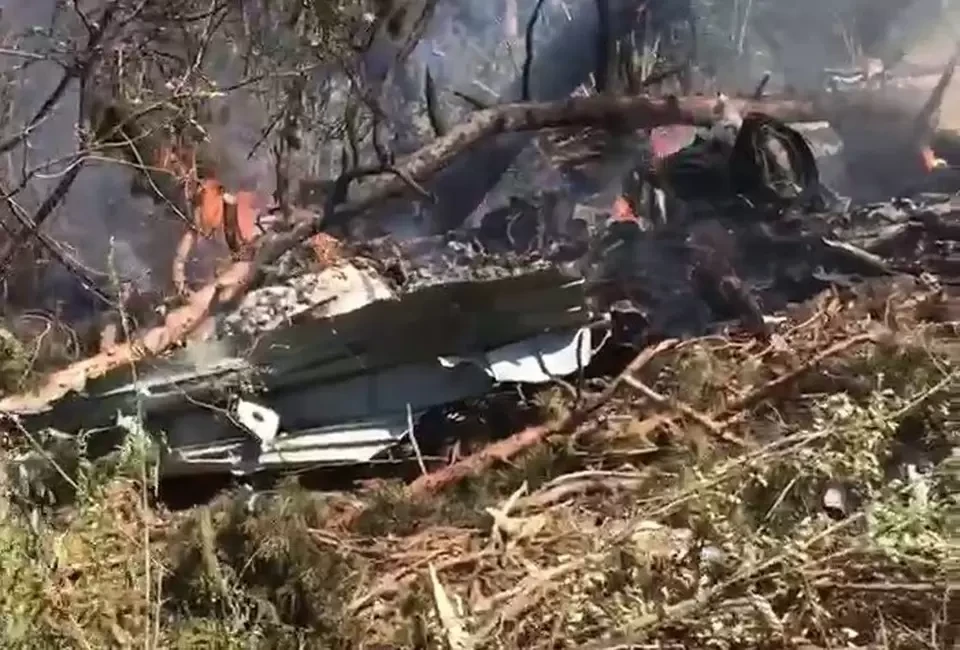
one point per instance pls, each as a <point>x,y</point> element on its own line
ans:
<point>341,364</point>
<point>730,228</point>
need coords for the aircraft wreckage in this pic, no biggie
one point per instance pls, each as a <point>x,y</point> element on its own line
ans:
<point>338,366</point>
<point>333,367</point>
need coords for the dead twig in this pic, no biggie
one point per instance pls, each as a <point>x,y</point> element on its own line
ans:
<point>456,634</point>
<point>702,419</point>
<point>433,108</point>
<point>475,103</point>
<point>519,442</point>
<point>528,54</point>
<point>577,483</point>
<point>739,407</point>
<point>398,580</point>
<point>529,592</point>
<point>691,606</point>
<point>761,88</point>
<point>29,226</point>
<point>905,587</point>
<point>532,436</point>
<point>78,69</point>
<point>925,123</point>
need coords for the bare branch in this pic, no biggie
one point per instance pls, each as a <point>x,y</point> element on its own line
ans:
<point>528,58</point>
<point>30,226</point>
<point>78,69</point>
<point>601,73</point>
<point>475,103</point>
<point>23,54</point>
<point>761,88</point>
<point>613,113</point>
<point>430,93</point>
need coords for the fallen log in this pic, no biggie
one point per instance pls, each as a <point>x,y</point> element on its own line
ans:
<point>601,111</point>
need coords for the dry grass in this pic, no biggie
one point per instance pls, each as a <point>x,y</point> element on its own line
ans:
<point>647,523</point>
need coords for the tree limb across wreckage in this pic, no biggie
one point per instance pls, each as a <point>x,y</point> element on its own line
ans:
<point>612,112</point>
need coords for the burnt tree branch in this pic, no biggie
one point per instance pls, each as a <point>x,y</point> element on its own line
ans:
<point>30,226</point>
<point>79,70</point>
<point>618,113</point>
<point>925,123</point>
<point>433,106</point>
<point>474,103</point>
<point>528,54</point>
<point>603,46</point>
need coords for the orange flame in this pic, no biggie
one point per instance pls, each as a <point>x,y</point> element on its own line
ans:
<point>248,207</point>
<point>209,197</point>
<point>930,159</point>
<point>209,207</point>
<point>622,210</point>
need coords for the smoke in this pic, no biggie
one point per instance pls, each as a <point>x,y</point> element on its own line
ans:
<point>467,48</point>
<point>472,46</point>
<point>98,225</point>
<point>478,54</point>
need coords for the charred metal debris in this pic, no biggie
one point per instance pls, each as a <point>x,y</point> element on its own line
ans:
<point>349,365</point>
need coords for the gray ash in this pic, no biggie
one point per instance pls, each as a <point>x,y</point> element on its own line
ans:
<point>443,270</point>
<point>414,264</point>
<point>308,295</point>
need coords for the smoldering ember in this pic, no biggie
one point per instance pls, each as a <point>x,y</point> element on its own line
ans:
<point>389,275</point>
